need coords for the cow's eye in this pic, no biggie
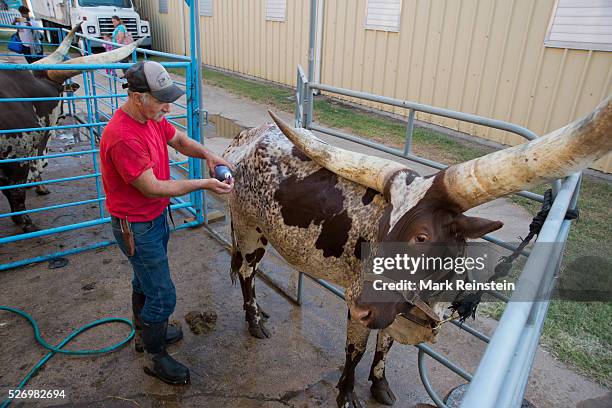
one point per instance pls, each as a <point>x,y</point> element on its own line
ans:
<point>421,238</point>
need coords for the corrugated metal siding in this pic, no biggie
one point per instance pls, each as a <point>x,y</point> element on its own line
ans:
<point>167,29</point>
<point>239,38</point>
<point>478,56</point>
<point>482,57</point>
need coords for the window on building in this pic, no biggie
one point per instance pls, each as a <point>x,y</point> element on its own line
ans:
<point>276,10</point>
<point>163,6</point>
<point>206,8</point>
<point>581,24</point>
<point>383,15</point>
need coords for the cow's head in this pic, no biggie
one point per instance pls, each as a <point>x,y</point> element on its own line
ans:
<point>430,209</point>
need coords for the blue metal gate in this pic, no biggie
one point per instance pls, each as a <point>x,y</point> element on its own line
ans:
<point>102,95</point>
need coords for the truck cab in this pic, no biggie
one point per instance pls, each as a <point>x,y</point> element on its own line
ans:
<point>96,16</point>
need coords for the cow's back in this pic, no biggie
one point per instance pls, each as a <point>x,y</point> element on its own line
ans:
<point>315,219</point>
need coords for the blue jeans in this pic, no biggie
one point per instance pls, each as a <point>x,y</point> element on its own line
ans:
<point>150,265</point>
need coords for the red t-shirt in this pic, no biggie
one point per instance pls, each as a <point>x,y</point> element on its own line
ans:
<point>127,149</point>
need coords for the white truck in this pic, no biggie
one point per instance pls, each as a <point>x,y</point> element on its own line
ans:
<point>95,14</point>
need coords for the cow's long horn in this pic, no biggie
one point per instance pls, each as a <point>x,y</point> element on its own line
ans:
<point>60,52</point>
<point>103,58</point>
<point>556,155</point>
<point>369,171</point>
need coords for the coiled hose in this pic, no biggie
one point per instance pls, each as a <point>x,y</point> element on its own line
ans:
<point>53,349</point>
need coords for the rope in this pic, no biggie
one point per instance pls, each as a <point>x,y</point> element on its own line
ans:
<point>59,348</point>
<point>466,307</point>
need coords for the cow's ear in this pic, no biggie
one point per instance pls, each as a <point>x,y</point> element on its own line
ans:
<point>474,227</point>
<point>71,87</point>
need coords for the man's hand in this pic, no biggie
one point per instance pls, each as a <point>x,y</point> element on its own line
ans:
<point>219,187</point>
<point>213,161</point>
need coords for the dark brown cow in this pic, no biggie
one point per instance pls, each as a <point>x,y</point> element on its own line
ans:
<point>22,115</point>
<point>316,204</point>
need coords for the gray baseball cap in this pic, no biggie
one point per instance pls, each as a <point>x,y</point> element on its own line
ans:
<point>151,77</point>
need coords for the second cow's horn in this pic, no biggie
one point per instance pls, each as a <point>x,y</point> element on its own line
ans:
<point>106,57</point>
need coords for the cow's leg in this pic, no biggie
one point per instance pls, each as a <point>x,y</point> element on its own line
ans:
<point>41,189</point>
<point>16,198</point>
<point>356,341</point>
<point>17,174</point>
<point>380,387</point>
<point>249,246</point>
<point>35,174</point>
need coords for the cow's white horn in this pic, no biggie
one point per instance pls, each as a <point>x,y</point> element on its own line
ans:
<point>106,57</point>
<point>369,171</point>
<point>556,155</point>
<point>60,52</point>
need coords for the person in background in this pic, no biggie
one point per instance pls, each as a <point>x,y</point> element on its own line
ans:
<point>30,39</point>
<point>119,34</point>
<point>109,47</point>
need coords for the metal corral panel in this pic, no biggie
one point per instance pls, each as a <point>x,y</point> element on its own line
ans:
<point>485,57</point>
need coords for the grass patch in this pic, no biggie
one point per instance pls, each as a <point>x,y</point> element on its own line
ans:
<point>363,123</point>
<point>578,333</point>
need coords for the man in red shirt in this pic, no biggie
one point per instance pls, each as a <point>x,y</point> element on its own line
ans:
<point>136,178</point>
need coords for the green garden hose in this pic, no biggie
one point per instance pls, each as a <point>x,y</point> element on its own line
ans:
<point>67,340</point>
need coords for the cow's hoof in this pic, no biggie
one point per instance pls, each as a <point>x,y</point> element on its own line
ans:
<point>258,330</point>
<point>42,190</point>
<point>382,392</point>
<point>348,400</point>
<point>29,228</point>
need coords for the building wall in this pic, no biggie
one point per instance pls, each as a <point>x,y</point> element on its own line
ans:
<point>168,30</point>
<point>477,56</point>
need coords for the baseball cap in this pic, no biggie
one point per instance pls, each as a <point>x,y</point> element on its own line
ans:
<point>150,76</point>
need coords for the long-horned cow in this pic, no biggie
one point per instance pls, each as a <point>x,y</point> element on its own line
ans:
<point>38,114</point>
<point>316,204</point>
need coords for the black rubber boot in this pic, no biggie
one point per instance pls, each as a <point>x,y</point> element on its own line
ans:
<point>158,362</point>
<point>173,334</point>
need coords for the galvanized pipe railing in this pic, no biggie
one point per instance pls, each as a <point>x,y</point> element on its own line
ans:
<point>505,366</point>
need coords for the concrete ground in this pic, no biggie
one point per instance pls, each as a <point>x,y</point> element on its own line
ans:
<point>298,367</point>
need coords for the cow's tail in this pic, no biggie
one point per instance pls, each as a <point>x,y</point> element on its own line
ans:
<point>233,270</point>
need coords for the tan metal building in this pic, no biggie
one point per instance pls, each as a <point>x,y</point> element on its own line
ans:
<point>536,63</point>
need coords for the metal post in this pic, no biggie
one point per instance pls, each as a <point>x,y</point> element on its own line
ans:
<point>409,130</point>
<point>300,288</point>
<point>200,202</point>
<point>311,60</point>
<point>92,140</point>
